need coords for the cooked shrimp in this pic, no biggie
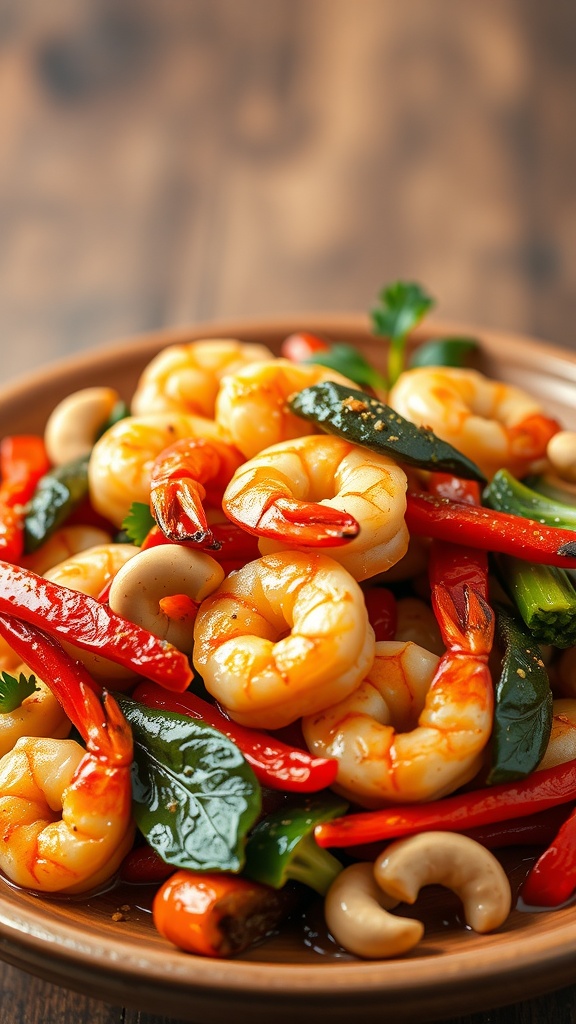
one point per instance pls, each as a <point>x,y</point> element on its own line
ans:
<point>186,377</point>
<point>39,714</point>
<point>495,424</point>
<point>317,490</point>
<point>65,812</point>
<point>121,461</point>
<point>251,406</point>
<point>90,572</point>
<point>284,636</point>
<point>416,727</point>
<point>63,543</point>
<point>183,476</point>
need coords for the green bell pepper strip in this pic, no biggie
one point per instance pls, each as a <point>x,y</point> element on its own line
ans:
<point>58,493</point>
<point>282,847</point>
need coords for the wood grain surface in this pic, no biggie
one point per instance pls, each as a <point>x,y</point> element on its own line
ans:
<point>164,163</point>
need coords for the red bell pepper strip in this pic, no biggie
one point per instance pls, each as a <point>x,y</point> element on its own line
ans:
<point>302,346</point>
<point>143,866</point>
<point>275,764</point>
<point>430,516</point>
<point>90,625</point>
<point>552,880</point>
<point>23,460</point>
<point>459,813</point>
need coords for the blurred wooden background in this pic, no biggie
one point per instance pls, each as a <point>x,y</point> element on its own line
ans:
<point>169,162</point>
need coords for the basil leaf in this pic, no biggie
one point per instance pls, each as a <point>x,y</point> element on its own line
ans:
<point>444,352</point>
<point>523,703</point>
<point>195,797</point>
<point>348,361</point>
<point>401,306</point>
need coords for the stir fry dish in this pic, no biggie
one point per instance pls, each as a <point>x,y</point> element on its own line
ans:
<point>295,628</point>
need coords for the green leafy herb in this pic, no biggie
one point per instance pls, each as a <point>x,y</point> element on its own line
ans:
<point>523,703</point>
<point>369,422</point>
<point>13,691</point>
<point>119,412</point>
<point>444,352</point>
<point>400,308</point>
<point>348,361</point>
<point>195,797</point>
<point>138,522</point>
<point>57,494</point>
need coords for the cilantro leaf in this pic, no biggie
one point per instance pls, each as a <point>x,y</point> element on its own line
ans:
<point>14,691</point>
<point>401,306</point>
<point>138,522</point>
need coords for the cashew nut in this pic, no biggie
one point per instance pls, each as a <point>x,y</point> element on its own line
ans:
<point>356,913</point>
<point>561,453</point>
<point>168,570</point>
<point>562,742</point>
<point>74,423</point>
<point>452,860</point>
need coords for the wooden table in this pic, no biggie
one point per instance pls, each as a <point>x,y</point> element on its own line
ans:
<point>194,159</point>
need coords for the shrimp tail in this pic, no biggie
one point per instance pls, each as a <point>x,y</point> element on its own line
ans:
<point>305,522</point>
<point>465,630</point>
<point>177,508</point>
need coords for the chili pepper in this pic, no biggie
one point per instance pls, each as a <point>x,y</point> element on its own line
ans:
<point>274,763</point>
<point>539,791</point>
<point>218,915</point>
<point>143,866</point>
<point>460,523</point>
<point>23,461</point>
<point>382,611</point>
<point>552,880</point>
<point>235,545</point>
<point>282,846</point>
<point>90,625</point>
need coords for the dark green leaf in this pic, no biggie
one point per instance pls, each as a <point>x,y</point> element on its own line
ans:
<point>401,307</point>
<point>444,352</point>
<point>14,690</point>
<point>348,361</point>
<point>523,703</point>
<point>57,494</point>
<point>195,797</point>
<point>119,412</point>
<point>138,522</point>
<point>367,421</point>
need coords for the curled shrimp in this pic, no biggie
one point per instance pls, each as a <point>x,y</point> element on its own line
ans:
<point>121,461</point>
<point>284,636</point>
<point>65,812</point>
<point>493,423</point>
<point>416,727</point>
<point>251,405</point>
<point>186,377</point>
<point>319,490</point>
<point>183,476</point>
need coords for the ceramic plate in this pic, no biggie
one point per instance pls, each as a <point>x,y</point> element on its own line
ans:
<point>297,975</point>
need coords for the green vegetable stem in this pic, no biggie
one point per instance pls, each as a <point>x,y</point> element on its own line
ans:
<point>58,493</point>
<point>282,846</point>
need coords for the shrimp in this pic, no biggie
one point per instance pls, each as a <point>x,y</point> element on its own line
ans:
<point>65,812</point>
<point>284,636</point>
<point>496,425</point>
<point>318,490</point>
<point>177,488</point>
<point>416,727</point>
<point>121,461</point>
<point>90,572</point>
<point>63,543</point>
<point>39,714</point>
<point>251,405</point>
<point>185,378</point>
